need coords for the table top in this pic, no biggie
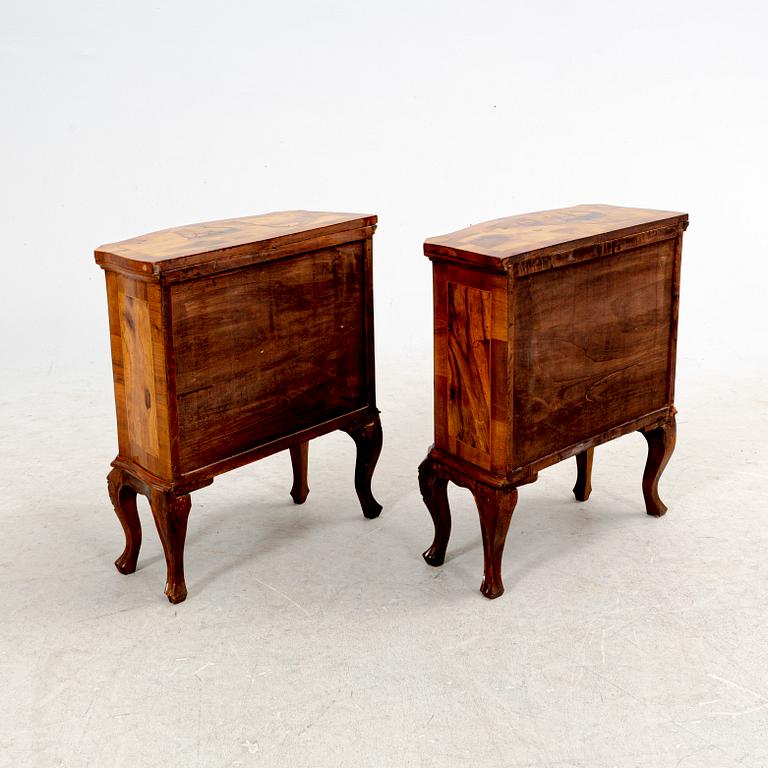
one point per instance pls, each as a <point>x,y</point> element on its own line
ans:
<point>194,243</point>
<point>514,237</point>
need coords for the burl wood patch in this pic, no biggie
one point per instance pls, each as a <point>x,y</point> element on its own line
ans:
<point>591,347</point>
<point>243,373</point>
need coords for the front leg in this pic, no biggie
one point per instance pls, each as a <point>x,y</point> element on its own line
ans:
<point>171,513</point>
<point>495,507</point>
<point>123,498</point>
<point>367,436</point>
<point>583,486</point>
<point>661,443</point>
<point>299,460</point>
<point>434,491</point>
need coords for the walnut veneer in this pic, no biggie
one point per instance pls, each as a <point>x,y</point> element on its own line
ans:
<point>554,332</point>
<point>232,340</point>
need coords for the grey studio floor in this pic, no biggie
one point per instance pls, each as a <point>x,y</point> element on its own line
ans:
<point>313,637</point>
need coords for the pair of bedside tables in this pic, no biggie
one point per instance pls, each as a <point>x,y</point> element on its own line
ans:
<point>232,340</point>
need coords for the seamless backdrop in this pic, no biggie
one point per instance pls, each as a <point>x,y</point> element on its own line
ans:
<point>616,643</point>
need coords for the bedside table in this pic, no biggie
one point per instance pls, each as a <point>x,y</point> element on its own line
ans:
<point>554,332</point>
<point>232,340</point>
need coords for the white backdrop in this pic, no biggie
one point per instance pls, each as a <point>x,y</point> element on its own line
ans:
<point>121,118</point>
<point>312,637</point>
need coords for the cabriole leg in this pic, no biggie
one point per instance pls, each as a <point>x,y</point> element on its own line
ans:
<point>171,513</point>
<point>368,438</point>
<point>434,491</point>
<point>299,460</point>
<point>495,507</point>
<point>661,443</point>
<point>123,498</point>
<point>583,486</point>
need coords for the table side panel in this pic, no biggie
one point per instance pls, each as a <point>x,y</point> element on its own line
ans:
<point>591,347</point>
<point>673,321</point>
<point>268,350</point>
<point>369,354</point>
<point>471,414</point>
<point>139,372</point>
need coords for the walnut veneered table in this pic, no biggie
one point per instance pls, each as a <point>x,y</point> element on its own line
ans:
<point>554,332</point>
<point>232,340</point>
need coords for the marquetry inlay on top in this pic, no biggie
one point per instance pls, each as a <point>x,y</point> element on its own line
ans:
<point>187,245</point>
<point>513,237</point>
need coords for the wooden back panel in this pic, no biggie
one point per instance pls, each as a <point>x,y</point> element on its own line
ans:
<point>139,372</point>
<point>594,346</point>
<point>269,350</point>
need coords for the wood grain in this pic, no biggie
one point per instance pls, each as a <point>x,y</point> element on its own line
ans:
<point>231,341</point>
<point>253,361</point>
<point>225,241</point>
<point>500,243</point>
<point>139,373</point>
<point>471,374</point>
<point>138,366</point>
<point>591,348</point>
<point>469,366</point>
<point>554,332</point>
